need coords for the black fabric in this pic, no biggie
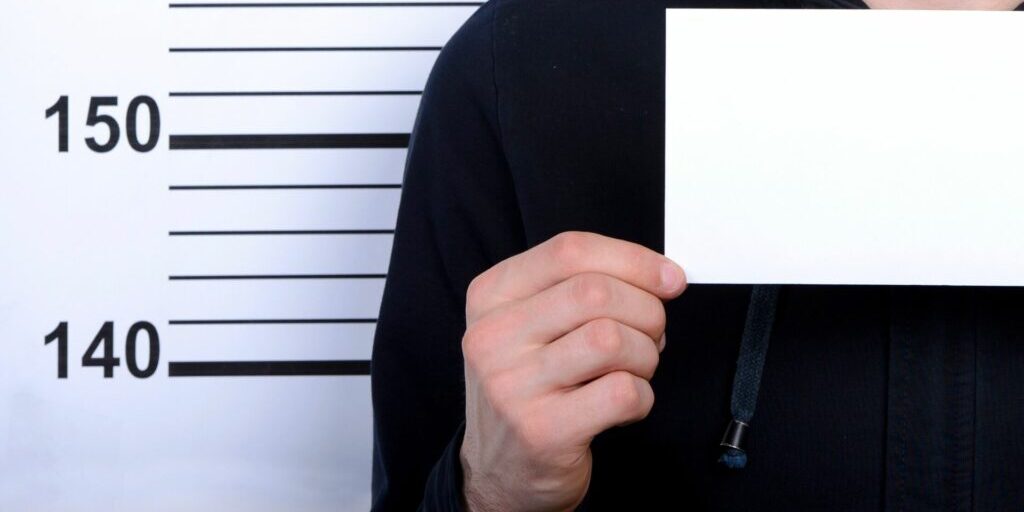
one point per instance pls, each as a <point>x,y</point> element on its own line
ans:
<point>445,480</point>
<point>542,116</point>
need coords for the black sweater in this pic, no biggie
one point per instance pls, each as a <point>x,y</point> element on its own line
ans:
<point>543,116</point>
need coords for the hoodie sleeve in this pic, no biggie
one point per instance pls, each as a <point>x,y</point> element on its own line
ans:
<point>458,217</point>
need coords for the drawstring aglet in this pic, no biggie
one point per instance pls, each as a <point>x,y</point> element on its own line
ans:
<point>734,457</point>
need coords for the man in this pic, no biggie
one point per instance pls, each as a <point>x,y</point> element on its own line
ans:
<point>526,310</point>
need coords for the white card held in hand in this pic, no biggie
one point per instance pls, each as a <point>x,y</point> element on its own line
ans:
<point>849,147</point>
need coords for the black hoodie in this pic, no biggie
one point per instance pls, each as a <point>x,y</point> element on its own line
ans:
<point>543,116</point>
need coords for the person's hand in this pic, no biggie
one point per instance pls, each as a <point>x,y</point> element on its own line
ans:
<point>560,343</point>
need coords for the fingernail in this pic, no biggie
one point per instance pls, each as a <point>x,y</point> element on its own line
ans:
<point>671,277</point>
<point>661,342</point>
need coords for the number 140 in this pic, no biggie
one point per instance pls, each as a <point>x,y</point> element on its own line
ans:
<point>105,337</point>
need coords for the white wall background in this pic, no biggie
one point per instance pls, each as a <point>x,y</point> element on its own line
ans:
<point>87,238</point>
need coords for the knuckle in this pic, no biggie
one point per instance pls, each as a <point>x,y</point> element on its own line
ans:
<point>648,265</point>
<point>478,339</point>
<point>625,394</point>
<point>650,361</point>
<point>568,248</point>
<point>591,291</point>
<point>477,291</point>
<point>646,399</point>
<point>471,341</point>
<point>604,337</point>
<point>660,318</point>
<point>638,257</point>
<point>653,319</point>
<point>474,351</point>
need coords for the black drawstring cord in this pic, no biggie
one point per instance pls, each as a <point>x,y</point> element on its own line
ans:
<point>747,382</point>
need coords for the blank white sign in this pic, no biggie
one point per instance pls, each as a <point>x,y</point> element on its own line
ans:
<point>858,147</point>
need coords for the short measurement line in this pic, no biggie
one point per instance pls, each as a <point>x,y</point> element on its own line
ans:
<point>273,321</point>
<point>185,94</point>
<point>284,232</point>
<point>291,141</point>
<point>189,5</point>
<point>228,277</point>
<point>266,368</point>
<point>235,49</point>
<point>352,186</point>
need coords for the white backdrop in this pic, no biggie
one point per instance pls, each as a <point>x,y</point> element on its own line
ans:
<point>230,256</point>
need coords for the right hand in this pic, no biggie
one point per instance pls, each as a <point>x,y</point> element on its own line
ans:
<point>560,343</point>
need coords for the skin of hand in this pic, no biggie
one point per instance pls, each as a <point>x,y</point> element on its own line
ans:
<point>560,344</point>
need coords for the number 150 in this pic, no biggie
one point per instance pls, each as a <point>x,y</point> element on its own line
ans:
<point>113,129</point>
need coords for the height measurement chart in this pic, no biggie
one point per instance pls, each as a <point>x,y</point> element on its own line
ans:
<point>196,219</point>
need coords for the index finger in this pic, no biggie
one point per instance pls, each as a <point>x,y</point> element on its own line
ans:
<point>568,254</point>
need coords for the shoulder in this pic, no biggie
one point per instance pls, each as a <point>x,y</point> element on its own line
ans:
<point>501,27</point>
<point>511,37</point>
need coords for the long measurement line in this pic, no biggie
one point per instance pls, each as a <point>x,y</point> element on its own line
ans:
<point>226,277</point>
<point>221,49</point>
<point>187,5</point>
<point>291,141</point>
<point>266,368</point>
<point>284,232</point>
<point>177,94</point>
<point>274,321</point>
<point>353,186</point>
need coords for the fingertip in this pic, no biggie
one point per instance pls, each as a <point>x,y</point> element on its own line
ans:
<point>673,278</point>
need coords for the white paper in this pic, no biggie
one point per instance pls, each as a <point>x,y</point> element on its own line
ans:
<point>856,147</point>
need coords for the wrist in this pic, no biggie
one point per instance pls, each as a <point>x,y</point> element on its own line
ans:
<point>477,494</point>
